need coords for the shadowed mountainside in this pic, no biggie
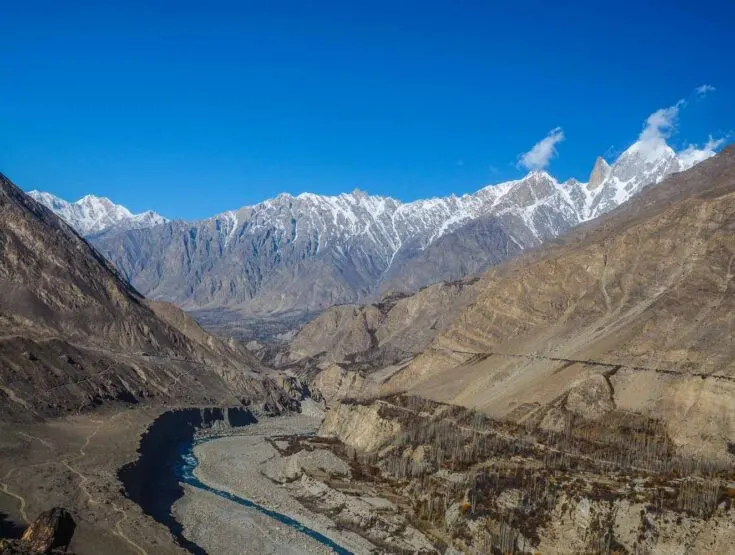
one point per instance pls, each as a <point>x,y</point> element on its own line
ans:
<point>74,334</point>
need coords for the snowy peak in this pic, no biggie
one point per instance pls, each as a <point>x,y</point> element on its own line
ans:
<point>643,163</point>
<point>306,252</point>
<point>537,206</point>
<point>55,203</point>
<point>389,228</point>
<point>644,160</point>
<point>91,214</point>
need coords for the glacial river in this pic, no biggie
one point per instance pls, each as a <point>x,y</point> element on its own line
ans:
<point>185,473</point>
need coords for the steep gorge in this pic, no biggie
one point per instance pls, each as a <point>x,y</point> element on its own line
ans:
<point>152,480</point>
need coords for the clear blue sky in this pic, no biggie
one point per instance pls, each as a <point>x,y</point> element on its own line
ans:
<point>192,108</point>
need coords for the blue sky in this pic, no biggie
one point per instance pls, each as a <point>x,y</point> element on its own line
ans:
<point>192,108</point>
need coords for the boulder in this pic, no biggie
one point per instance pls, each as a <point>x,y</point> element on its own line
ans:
<point>52,529</point>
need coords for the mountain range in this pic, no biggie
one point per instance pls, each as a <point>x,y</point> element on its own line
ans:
<point>307,252</point>
<point>610,350</point>
<point>639,304</point>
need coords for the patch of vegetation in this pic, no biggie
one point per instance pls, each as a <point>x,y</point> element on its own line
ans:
<point>448,459</point>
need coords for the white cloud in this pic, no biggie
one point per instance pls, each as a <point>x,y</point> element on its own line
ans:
<point>713,144</point>
<point>692,155</point>
<point>542,152</point>
<point>661,124</point>
<point>702,90</point>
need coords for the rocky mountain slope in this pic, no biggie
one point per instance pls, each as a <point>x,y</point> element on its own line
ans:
<point>74,334</point>
<point>308,252</point>
<point>602,368</point>
<point>374,336</point>
<point>91,215</point>
<point>343,346</point>
<point>634,312</point>
<point>474,484</point>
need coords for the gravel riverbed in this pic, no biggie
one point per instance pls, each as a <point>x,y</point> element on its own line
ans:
<point>240,464</point>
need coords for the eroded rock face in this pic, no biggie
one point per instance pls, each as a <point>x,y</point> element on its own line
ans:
<point>52,529</point>
<point>290,468</point>
<point>632,527</point>
<point>294,387</point>
<point>592,398</point>
<point>392,330</point>
<point>599,174</point>
<point>360,426</point>
<point>335,383</point>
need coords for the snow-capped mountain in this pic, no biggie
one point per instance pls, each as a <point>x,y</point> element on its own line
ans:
<point>91,215</point>
<point>309,251</point>
<point>642,164</point>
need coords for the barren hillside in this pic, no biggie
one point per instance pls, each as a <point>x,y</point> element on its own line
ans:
<point>642,298</point>
<point>73,334</point>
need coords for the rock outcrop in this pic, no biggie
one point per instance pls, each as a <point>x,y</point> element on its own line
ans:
<point>51,530</point>
<point>334,383</point>
<point>600,173</point>
<point>360,425</point>
<point>51,533</point>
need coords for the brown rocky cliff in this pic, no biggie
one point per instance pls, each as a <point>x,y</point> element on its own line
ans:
<point>51,530</point>
<point>361,426</point>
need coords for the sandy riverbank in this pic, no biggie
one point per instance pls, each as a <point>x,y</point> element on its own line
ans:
<point>238,464</point>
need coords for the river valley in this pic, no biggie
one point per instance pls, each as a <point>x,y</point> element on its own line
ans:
<point>230,506</point>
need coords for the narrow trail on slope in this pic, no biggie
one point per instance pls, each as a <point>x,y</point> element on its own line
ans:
<point>478,357</point>
<point>5,488</point>
<point>84,479</point>
<point>22,502</point>
<point>42,441</point>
